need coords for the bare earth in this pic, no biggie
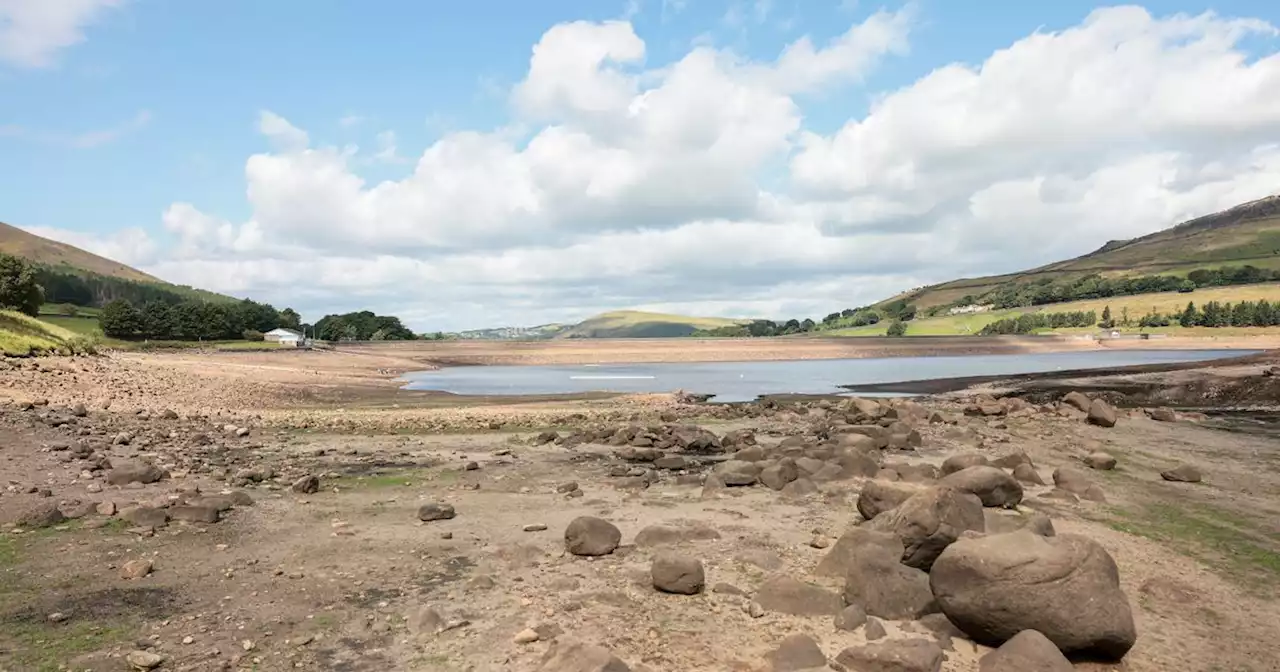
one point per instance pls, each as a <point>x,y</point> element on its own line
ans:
<point>349,578</point>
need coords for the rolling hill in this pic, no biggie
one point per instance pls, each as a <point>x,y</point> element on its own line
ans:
<point>640,324</point>
<point>1245,234</point>
<point>51,253</point>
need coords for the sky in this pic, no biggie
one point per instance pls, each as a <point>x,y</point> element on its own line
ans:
<point>500,163</point>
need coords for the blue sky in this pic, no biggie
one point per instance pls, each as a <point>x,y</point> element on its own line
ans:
<point>116,110</point>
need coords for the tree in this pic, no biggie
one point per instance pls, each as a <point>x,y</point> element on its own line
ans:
<point>1107,322</point>
<point>897,328</point>
<point>119,319</point>
<point>68,310</point>
<point>156,321</point>
<point>290,319</point>
<point>1189,317</point>
<point>18,287</point>
<point>1124,316</point>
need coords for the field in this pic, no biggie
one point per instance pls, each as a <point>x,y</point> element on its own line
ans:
<point>1137,305</point>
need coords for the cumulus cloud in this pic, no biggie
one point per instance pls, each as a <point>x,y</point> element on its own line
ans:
<point>694,185</point>
<point>32,32</point>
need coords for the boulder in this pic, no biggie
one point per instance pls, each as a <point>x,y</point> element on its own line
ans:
<point>799,488</point>
<point>809,466</point>
<point>777,476</point>
<point>785,594</point>
<point>202,513</point>
<point>1101,414</point>
<point>306,485</point>
<point>573,656</point>
<point>124,472</point>
<point>851,618</point>
<point>41,514</point>
<point>854,464</point>
<point>1067,587</point>
<point>435,511</point>
<point>900,655</point>
<point>590,536</point>
<point>665,535</point>
<point>1078,401</point>
<point>1027,474</point>
<point>840,559</point>
<point>1011,461</point>
<point>1100,461</point>
<point>879,582</point>
<point>1027,651</point>
<point>795,653</point>
<point>671,462</point>
<point>916,473</point>
<point>963,461</point>
<point>678,574</point>
<point>930,521</point>
<point>738,472</point>
<point>1162,414</point>
<point>879,496</point>
<point>145,516</point>
<point>992,485</point>
<point>1183,473</point>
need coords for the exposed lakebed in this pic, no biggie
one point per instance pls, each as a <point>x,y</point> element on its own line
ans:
<point>745,381</point>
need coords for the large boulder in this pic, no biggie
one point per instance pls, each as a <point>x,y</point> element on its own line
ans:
<point>787,595</point>
<point>1078,401</point>
<point>124,472</point>
<point>1026,473</point>
<point>777,476</point>
<point>930,521</point>
<point>679,574</point>
<point>738,472</point>
<point>878,496</point>
<point>1077,482</point>
<point>1100,461</point>
<point>840,559</point>
<point>886,588</point>
<point>900,655</point>
<point>992,485</point>
<point>855,463</point>
<point>1002,522</point>
<point>590,536</point>
<point>1101,414</point>
<point>1067,587</point>
<point>963,461</point>
<point>1027,651</point>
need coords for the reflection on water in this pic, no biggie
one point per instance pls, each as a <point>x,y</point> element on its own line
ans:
<point>744,381</point>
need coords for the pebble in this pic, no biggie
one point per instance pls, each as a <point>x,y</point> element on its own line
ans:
<point>535,527</point>
<point>526,636</point>
<point>188,639</point>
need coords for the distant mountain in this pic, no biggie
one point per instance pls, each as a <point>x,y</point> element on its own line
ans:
<point>51,253</point>
<point>1247,234</point>
<point>616,324</point>
<point>640,324</point>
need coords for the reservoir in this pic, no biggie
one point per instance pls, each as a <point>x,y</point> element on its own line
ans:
<point>745,381</point>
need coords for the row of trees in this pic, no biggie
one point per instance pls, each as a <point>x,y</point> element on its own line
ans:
<point>192,320</point>
<point>1033,322</point>
<point>1261,313</point>
<point>362,326</point>
<point>1047,291</point>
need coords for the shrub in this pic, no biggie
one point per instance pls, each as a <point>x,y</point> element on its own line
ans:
<point>252,335</point>
<point>897,328</point>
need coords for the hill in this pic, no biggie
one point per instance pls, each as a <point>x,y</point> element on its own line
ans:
<point>640,324</point>
<point>1247,234</point>
<point>51,253</point>
<point>21,335</point>
<point>72,275</point>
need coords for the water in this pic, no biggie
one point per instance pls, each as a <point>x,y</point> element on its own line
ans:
<point>744,381</point>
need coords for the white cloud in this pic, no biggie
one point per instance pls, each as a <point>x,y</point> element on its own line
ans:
<point>694,184</point>
<point>350,121</point>
<point>33,31</point>
<point>131,246</point>
<point>84,140</point>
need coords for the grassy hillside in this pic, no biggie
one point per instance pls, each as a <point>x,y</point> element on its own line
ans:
<point>1246,234</point>
<point>22,335</point>
<point>640,324</point>
<point>51,253</point>
<point>1137,305</point>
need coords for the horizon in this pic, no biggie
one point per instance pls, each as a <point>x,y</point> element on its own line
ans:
<point>476,167</point>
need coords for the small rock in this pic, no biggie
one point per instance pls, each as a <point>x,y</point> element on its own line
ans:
<point>851,617</point>
<point>1162,414</point>
<point>57,617</point>
<point>1027,651</point>
<point>435,511</point>
<point>472,466</point>
<point>526,636</point>
<point>565,488</point>
<point>534,527</point>
<point>306,485</point>
<point>874,629</point>
<point>591,536</point>
<point>1101,414</point>
<point>144,660</point>
<point>135,569</point>
<point>106,508</point>
<point>797,652</point>
<point>901,655</point>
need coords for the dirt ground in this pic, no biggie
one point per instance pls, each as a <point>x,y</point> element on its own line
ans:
<point>349,578</point>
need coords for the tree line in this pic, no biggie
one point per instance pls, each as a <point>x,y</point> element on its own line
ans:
<point>1047,291</point>
<point>84,288</point>
<point>1030,323</point>
<point>191,320</point>
<point>362,326</point>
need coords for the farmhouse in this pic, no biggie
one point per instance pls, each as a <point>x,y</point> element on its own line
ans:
<point>287,338</point>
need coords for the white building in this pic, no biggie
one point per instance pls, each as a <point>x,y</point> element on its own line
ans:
<point>287,338</point>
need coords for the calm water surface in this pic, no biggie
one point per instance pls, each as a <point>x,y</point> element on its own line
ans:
<point>744,381</point>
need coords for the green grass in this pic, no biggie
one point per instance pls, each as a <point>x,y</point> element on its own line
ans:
<point>373,481</point>
<point>80,324</point>
<point>47,647</point>
<point>23,335</point>
<point>641,324</point>
<point>1229,543</point>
